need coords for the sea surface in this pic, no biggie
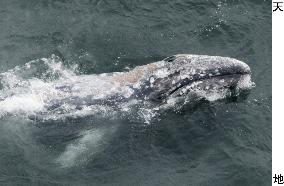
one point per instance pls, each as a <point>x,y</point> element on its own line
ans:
<point>219,143</point>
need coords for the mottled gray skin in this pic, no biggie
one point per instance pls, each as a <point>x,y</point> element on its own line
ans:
<point>177,76</point>
<point>211,73</point>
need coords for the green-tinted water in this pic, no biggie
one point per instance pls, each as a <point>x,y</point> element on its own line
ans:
<point>221,143</point>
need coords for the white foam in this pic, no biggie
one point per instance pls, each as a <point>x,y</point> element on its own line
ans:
<point>147,115</point>
<point>245,82</point>
<point>28,103</point>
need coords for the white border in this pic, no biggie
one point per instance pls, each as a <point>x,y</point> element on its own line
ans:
<point>277,93</point>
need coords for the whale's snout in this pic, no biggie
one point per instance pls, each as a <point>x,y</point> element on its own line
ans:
<point>207,66</point>
<point>226,66</point>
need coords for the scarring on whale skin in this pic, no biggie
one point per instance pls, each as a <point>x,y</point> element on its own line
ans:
<point>178,76</point>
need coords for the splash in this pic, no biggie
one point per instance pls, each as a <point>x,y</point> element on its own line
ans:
<point>26,89</point>
<point>45,89</point>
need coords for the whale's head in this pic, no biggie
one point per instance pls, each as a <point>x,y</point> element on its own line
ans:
<point>211,77</point>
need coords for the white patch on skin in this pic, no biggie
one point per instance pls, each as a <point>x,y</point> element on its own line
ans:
<point>192,71</point>
<point>152,79</point>
<point>137,86</point>
<point>194,84</point>
<point>162,73</point>
<point>128,92</point>
<point>183,76</point>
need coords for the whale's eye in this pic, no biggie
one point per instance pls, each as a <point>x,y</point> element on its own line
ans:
<point>170,59</point>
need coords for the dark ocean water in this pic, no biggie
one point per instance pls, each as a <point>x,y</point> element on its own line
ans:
<point>219,143</point>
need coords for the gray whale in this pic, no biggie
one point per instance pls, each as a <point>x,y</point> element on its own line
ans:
<point>146,89</point>
<point>175,80</point>
<point>174,77</point>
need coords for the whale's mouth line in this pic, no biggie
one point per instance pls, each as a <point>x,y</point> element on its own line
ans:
<point>187,81</point>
